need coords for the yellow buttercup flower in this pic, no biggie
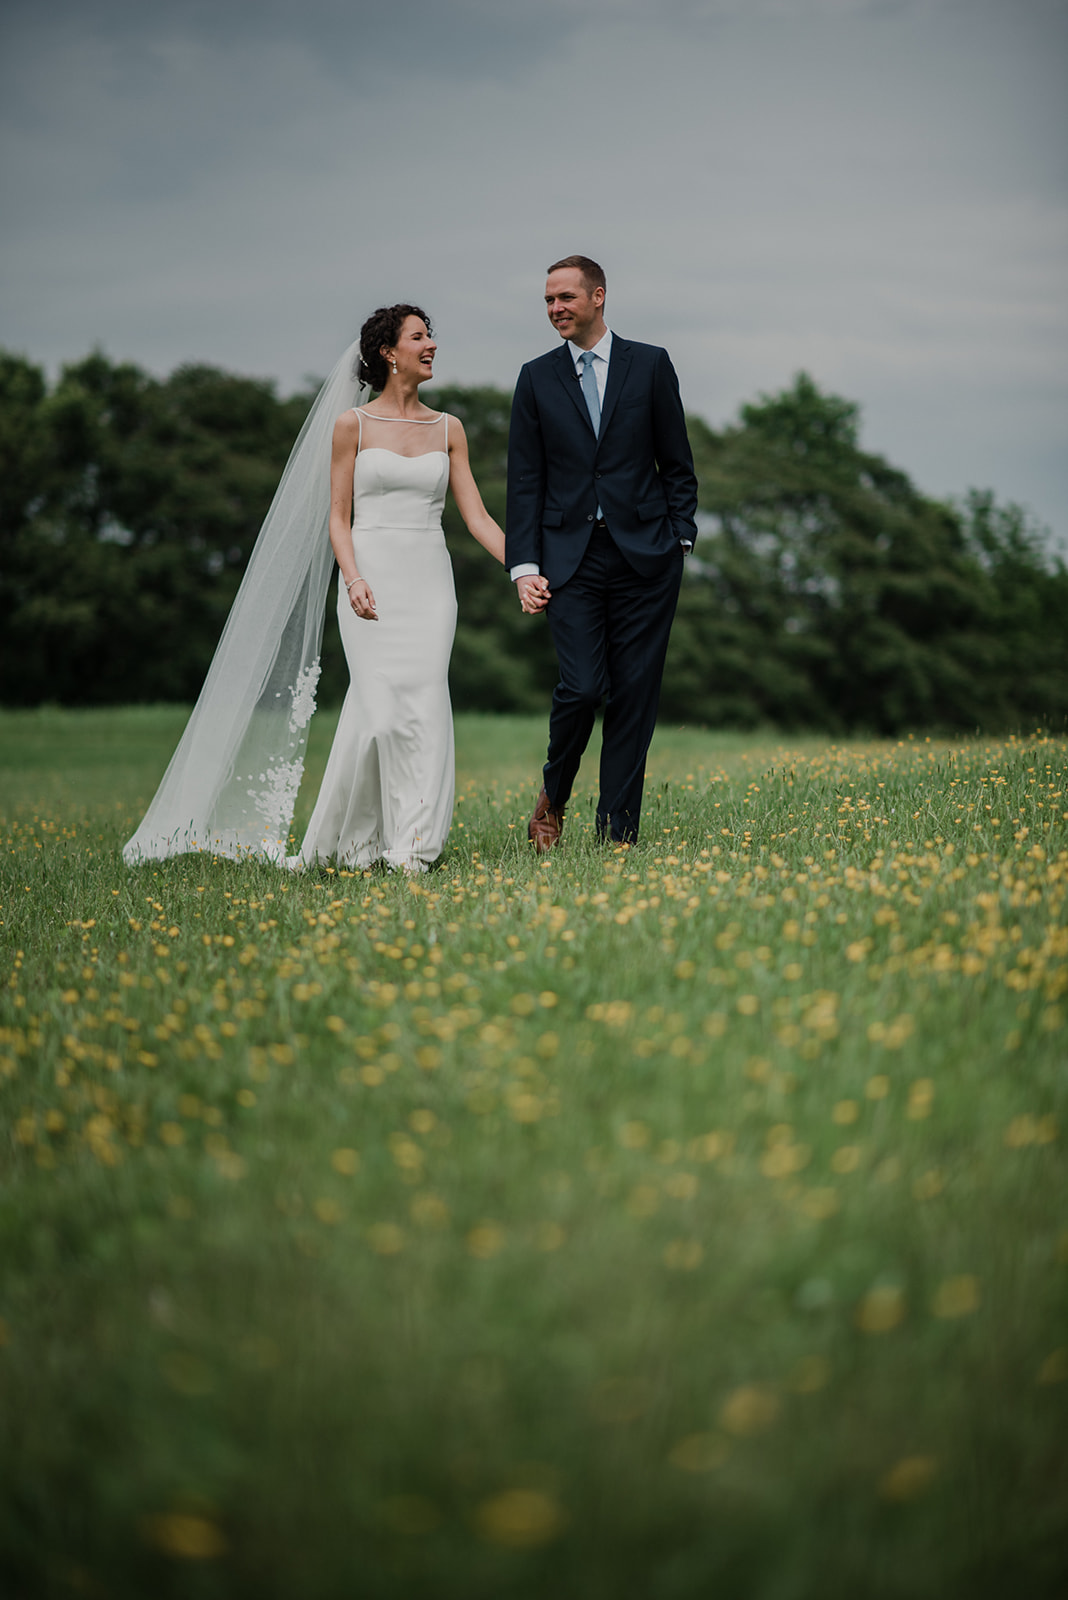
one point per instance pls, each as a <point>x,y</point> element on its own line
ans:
<point>752,1408</point>
<point>1055,1367</point>
<point>811,1374</point>
<point>957,1297</point>
<point>683,1255</point>
<point>700,1452</point>
<point>882,1309</point>
<point>185,1536</point>
<point>485,1240</point>
<point>908,1478</point>
<point>520,1519</point>
<point>385,1238</point>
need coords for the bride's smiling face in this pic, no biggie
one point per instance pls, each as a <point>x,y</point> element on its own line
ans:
<point>413,352</point>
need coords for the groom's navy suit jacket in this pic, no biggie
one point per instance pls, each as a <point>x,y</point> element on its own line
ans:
<point>638,468</point>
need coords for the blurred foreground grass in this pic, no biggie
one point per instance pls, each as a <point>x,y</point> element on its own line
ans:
<point>689,1220</point>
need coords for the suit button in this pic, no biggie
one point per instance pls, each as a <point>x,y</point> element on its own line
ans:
<point>597,474</point>
<point>589,519</point>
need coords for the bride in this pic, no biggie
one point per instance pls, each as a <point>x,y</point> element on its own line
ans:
<point>367,487</point>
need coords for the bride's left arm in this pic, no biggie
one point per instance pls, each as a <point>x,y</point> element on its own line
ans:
<point>465,492</point>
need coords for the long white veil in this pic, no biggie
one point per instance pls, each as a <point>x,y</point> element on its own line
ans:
<point>232,783</point>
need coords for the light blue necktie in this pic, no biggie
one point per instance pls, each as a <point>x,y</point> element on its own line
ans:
<point>592,399</point>
<point>589,389</point>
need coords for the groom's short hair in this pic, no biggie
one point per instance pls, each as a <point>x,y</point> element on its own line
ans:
<point>592,274</point>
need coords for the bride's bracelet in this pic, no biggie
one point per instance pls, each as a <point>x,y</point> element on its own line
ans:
<point>357,579</point>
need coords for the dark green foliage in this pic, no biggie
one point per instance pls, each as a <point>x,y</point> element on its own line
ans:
<point>828,592</point>
<point>129,510</point>
<point>1026,665</point>
<point>825,591</point>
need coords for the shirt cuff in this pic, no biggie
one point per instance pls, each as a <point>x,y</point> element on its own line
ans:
<point>687,545</point>
<point>525,569</point>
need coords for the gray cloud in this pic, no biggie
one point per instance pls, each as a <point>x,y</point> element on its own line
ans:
<point>874,191</point>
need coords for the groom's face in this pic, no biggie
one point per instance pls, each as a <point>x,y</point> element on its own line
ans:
<point>573,309</point>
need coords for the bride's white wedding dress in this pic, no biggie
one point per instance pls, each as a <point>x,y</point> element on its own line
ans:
<point>387,794</point>
<point>231,785</point>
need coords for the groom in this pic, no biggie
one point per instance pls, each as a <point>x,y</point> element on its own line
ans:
<point>601,502</point>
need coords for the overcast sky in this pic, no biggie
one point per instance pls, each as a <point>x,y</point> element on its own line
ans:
<point>873,190</point>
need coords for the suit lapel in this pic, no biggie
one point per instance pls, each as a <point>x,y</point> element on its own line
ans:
<point>564,366</point>
<point>618,366</point>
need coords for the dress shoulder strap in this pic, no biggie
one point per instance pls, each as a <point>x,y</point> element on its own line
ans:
<point>445,414</point>
<point>359,424</point>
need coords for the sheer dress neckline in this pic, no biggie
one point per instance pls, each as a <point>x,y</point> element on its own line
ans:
<point>369,449</point>
<point>420,422</point>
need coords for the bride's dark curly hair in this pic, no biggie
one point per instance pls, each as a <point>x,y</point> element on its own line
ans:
<point>383,328</point>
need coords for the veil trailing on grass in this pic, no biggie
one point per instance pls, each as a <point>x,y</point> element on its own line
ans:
<point>232,782</point>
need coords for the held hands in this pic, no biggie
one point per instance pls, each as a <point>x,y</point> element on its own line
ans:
<point>362,600</point>
<point>533,593</point>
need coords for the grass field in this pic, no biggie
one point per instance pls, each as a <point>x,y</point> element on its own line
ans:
<point>627,1225</point>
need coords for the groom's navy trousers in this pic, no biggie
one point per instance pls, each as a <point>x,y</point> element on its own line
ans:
<point>614,580</point>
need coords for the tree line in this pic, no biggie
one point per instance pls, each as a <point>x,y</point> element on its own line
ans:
<point>825,592</point>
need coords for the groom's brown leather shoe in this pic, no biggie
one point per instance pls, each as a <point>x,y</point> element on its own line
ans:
<point>543,830</point>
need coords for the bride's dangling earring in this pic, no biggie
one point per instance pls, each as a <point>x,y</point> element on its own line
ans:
<point>394,363</point>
